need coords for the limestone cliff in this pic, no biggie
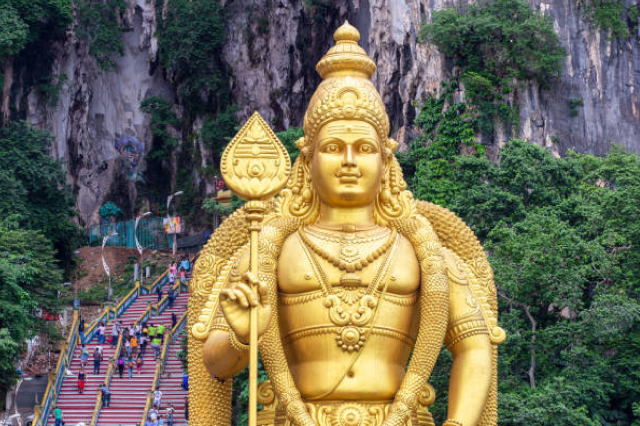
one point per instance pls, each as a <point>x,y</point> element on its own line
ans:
<point>274,70</point>
<point>272,47</point>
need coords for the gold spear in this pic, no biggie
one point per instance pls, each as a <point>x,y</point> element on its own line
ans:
<point>255,166</point>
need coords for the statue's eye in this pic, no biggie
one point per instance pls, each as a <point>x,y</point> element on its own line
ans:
<point>366,149</point>
<point>332,148</point>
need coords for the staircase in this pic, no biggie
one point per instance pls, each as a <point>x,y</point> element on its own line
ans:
<point>128,396</point>
<point>171,385</point>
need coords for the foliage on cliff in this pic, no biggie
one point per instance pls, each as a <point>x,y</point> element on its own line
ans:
<point>613,17</point>
<point>190,40</point>
<point>190,45</point>
<point>26,26</point>
<point>494,45</point>
<point>561,234</point>
<point>99,26</point>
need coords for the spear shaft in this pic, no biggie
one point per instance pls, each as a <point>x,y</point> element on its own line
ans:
<point>255,213</point>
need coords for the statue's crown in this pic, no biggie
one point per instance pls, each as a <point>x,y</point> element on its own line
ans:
<point>346,91</point>
<point>346,56</point>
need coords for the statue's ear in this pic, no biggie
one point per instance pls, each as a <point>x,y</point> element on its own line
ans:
<point>306,164</point>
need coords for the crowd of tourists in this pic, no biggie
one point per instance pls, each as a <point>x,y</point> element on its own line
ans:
<point>136,338</point>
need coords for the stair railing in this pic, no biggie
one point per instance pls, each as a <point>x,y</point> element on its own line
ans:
<point>164,278</point>
<point>41,412</point>
<point>160,281</point>
<point>107,380</point>
<point>169,339</point>
<point>144,316</point>
<point>50,396</point>
<point>157,375</point>
<point>164,302</point>
<point>127,300</point>
<point>179,325</point>
<point>93,328</point>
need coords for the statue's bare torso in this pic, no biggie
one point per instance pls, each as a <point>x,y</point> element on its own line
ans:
<point>321,368</point>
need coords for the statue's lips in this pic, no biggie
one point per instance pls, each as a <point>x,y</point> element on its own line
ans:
<point>349,178</point>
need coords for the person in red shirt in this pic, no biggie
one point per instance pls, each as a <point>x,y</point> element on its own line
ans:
<point>81,379</point>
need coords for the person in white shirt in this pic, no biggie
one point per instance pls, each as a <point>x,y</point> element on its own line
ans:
<point>157,398</point>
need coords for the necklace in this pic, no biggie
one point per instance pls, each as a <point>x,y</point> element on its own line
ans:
<point>346,227</point>
<point>362,237</point>
<point>349,259</point>
<point>354,323</point>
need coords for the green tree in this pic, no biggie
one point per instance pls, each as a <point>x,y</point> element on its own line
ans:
<point>288,138</point>
<point>29,280</point>
<point>110,209</point>
<point>560,234</point>
<point>34,190</point>
<point>216,132</point>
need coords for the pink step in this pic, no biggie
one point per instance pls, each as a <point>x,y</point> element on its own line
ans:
<point>128,396</point>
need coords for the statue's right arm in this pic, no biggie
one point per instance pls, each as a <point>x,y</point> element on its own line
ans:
<point>223,354</point>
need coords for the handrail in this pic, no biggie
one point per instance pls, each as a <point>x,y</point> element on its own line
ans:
<point>163,277</point>
<point>91,330</point>
<point>50,396</point>
<point>159,371</point>
<point>179,324</point>
<point>164,302</point>
<point>156,377</point>
<point>41,412</point>
<point>144,316</point>
<point>107,381</point>
<point>131,296</point>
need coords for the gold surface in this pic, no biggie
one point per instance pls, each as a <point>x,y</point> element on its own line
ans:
<point>365,285</point>
<point>255,165</point>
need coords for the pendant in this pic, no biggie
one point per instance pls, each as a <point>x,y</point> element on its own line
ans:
<point>350,338</point>
<point>349,253</point>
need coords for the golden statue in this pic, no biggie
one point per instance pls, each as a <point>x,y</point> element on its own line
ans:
<point>358,284</point>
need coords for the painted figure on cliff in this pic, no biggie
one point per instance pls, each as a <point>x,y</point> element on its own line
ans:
<point>359,284</point>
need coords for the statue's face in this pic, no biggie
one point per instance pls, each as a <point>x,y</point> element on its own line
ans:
<point>347,163</point>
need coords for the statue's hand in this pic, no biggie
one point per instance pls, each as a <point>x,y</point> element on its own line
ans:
<point>237,301</point>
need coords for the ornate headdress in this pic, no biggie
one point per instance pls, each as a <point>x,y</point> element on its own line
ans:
<point>346,93</point>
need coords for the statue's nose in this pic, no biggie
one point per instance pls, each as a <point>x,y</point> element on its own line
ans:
<point>348,160</point>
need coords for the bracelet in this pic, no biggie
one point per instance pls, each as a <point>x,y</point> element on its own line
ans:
<point>399,414</point>
<point>451,422</point>
<point>237,344</point>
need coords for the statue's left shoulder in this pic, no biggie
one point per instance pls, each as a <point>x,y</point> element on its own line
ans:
<point>473,298</point>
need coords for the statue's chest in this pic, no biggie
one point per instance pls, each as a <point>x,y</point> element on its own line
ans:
<point>307,264</point>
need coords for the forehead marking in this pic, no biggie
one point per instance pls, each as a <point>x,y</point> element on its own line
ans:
<point>351,128</point>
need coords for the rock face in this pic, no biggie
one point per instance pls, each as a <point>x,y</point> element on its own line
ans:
<point>274,70</point>
<point>95,108</point>
<point>272,48</point>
